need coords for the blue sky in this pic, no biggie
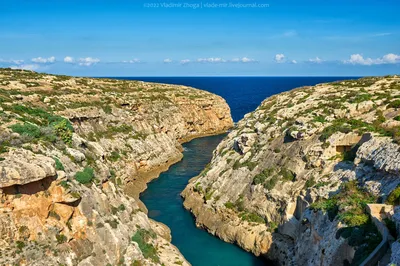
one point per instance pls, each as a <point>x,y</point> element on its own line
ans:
<point>194,38</point>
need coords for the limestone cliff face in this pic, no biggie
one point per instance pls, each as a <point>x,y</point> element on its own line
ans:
<point>74,155</point>
<point>296,173</point>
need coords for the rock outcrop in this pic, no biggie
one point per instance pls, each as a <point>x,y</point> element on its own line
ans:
<point>74,155</point>
<point>292,179</point>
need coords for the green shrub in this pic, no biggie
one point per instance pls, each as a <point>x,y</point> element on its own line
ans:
<point>115,210</point>
<point>239,204</point>
<point>124,128</point>
<point>20,245</point>
<point>335,127</point>
<point>3,147</point>
<point>310,182</point>
<point>329,206</point>
<point>65,184</point>
<point>394,104</point>
<point>321,184</point>
<point>261,177</point>
<point>326,145</point>
<point>250,165</point>
<point>353,218</point>
<point>142,238</point>
<point>86,176</point>
<point>107,109</point>
<point>380,117</point>
<point>319,119</point>
<point>59,165</point>
<point>208,195</point>
<point>49,130</point>
<point>349,204</point>
<point>252,217</point>
<point>287,174</point>
<point>277,150</point>
<point>394,197</point>
<point>270,184</point>
<point>115,156</point>
<point>198,188</point>
<point>61,238</point>
<point>397,118</point>
<point>63,131</point>
<point>229,205</point>
<point>361,98</point>
<point>54,215</point>
<point>236,165</point>
<point>113,223</point>
<point>272,227</point>
<point>27,129</point>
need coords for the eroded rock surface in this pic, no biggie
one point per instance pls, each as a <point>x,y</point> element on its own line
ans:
<point>74,155</point>
<point>286,181</point>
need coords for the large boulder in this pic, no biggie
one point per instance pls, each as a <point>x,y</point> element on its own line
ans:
<point>21,167</point>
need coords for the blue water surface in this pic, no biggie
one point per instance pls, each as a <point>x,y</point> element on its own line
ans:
<point>162,198</point>
<point>243,94</point>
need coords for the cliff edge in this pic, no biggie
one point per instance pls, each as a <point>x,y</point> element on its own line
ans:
<point>70,149</point>
<point>292,180</point>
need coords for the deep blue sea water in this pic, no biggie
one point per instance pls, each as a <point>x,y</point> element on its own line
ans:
<point>243,94</point>
<point>162,197</point>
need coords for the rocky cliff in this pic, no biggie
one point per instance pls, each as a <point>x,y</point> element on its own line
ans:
<point>293,178</point>
<point>74,155</point>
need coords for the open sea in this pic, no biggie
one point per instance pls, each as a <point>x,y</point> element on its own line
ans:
<point>162,198</point>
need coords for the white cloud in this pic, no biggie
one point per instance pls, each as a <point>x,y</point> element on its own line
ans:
<point>243,60</point>
<point>216,60</point>
<point>247,60</point>
<point>88,61</point>
<point>391,58</point>
<point>133,61</point>
<point>358,59</point>
<point>12,61</point>
<point>316,60</point>
<point>279,58</point>
<point>293,62</point>
<point>167,61</point>
<point>69,59</point>
<point>41,60</point>
<point>211,60</point>
<point>26,67</point>
<point>185,61</point>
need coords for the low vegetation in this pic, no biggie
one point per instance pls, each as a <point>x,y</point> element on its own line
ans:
<point>86,176</point>
<point>348,206</point>
<point>143,237</point>
<point>394,197</point>
<point>269,177</point>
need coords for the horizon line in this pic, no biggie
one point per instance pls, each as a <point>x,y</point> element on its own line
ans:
<point>238,76</point>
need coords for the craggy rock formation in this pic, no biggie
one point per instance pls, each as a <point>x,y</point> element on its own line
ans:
<point>292,179</point>
<point>70,149</point>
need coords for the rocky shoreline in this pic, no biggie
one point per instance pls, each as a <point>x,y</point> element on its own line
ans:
<point>70,147</point>
<point>292,180</point>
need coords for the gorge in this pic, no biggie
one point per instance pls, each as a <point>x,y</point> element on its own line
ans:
<point>296,181</point>
<point>310,177</point>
